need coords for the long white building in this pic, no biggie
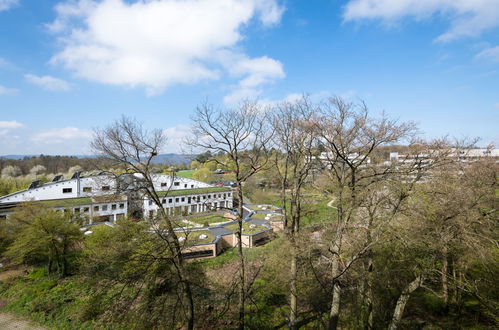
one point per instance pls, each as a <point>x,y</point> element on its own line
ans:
<point>105,198</point>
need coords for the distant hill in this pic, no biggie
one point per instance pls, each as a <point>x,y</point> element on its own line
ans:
<point>174,159</point>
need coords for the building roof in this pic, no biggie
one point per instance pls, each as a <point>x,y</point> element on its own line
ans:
<point>194,191</point>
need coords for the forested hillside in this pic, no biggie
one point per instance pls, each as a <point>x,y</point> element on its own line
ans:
<point>367,243</point>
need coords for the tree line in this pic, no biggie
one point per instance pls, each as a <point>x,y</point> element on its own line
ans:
<point>400,243</point>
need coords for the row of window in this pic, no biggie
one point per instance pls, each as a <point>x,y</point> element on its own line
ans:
<point>102,208</point>
<point>190,200</point>
<point>107,188</point>
<point>176,184</point>
<point>85,189</point>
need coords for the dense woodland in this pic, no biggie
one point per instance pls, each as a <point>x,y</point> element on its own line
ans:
<point>367,244</point>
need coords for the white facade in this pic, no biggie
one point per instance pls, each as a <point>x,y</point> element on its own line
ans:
<point>97,197</point>
<point>94,186</point>
<point>191,202</point>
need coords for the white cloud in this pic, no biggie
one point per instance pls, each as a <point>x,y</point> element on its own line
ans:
<point>7,4</point>
<point>490,54</point>
<point>467,18</point>
<point>59,135</point>
<point>7,126</point>
<point>8,91</point>
<point>48,82</point>
<point>257,71</point>
<point>4,64</point>
<point>176,137</point>
<point>10,124</point>
<point>154,44</point>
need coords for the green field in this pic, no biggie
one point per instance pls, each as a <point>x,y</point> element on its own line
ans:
<point>209,219</point>
<point>185,174</point>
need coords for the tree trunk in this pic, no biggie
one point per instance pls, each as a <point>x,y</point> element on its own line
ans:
<point>368,321</point>
<point>444,271</point>
<point>334,313</point>
<point>179,260</point>
<point>402,301</point>
<point>293,294</point>
<point>242,284</point>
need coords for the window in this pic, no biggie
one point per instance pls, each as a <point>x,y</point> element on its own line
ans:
<point>104,207</point>
<point>87,189</point>
<point>163,201</point>
<point>225,196</point>
<point>176,200</point>
<point>67,190</point>
<point>106,188</point>
<point>176,184</point>
<point>209,196</point>
<point>150,202</point>
<point>86,209</point>
<point>122,205</point>
<point>183,199</point>
<point>77,210</point>
<point>96,208</point>
<point>163,184</point>
<point>192,186</point>
<point>188,200</point>
<point>185,185</point>
<point>170,200</point>
<point>113,207</point>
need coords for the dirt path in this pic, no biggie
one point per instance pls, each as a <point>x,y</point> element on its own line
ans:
<point>330,204</point>
<point>11,322</point>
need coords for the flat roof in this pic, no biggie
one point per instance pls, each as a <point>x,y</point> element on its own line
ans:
<point>193,191</point>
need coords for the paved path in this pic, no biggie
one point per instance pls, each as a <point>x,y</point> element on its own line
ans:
<point>330,204</point>
<point>9,321</point>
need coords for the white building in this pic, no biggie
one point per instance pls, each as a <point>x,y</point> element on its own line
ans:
<point>105,198</point>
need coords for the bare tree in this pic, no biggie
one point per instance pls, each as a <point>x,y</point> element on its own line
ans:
<point>131,148</point>
<point>242,136</point>
<point>293,159</point>
<point>351,137</point>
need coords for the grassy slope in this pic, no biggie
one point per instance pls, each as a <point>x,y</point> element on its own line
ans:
<point>185,174</point>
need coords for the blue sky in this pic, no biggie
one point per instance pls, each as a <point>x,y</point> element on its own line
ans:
<point>67,67</point>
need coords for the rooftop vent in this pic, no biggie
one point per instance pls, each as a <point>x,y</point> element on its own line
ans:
<point>76,175</point>
<point>34,184</point>
<point>57,178</point>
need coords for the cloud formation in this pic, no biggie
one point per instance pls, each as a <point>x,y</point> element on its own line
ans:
<point>257,71</point>
<point>8,91</point>
<point>158,43</point>
<point>489,54</point>
<point>468,18</point>
<point>7,4</point>
<point>7,126</point>
<point>60,135</point>
<point>176,137</point>
<point>48,82</point>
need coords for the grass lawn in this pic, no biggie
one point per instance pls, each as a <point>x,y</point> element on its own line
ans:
<point>261,216</point>
<point>214,218</point>
<point>262,207</point>
<point>193,237</point>
<point>248,229</point>
<point>185,174</point>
